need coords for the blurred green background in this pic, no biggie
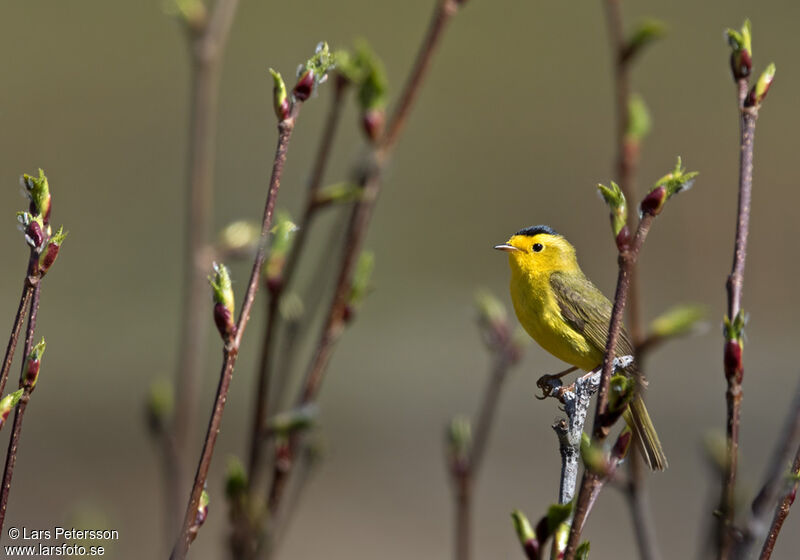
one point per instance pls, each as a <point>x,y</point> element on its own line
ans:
<point>514,127</point>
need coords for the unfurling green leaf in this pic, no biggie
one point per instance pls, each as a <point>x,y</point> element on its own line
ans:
<point>8,403</point>
<point>734,330</point>
<point>522,527</point>
<point>221,286</point>
<point>222,292</point>
<point>338,192</point>
<point>678,320</point>
<point>192,12</point>
<point>313,72</point>
<point>593,456</point>
<point>615,199</point>
<point>160,401</point>
<point>491,311</point>
<point>666,187</point>
<point>620,392</point>
<point>362,279</point>
<point>30,373</point>
<point>459,438</point>
<point>282,235</point>
<point>646,32</point>
<point>280,99</point>
<point>556,515</point>
<point>239,236</point>
<point>759,91</point>
<point>235,480</point>
<point>38,190</point>
<point>639,121</point>
<point>741,40</point>
<point>741,51</point>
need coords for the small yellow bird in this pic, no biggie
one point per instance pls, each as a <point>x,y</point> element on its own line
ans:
<point>569,317</point>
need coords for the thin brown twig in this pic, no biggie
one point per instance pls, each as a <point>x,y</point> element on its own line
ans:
<point>265,368</point>
<point>592,481</point>
<point>19,318</point>
<point>735,284</point>
<point>782,510</point>
<point>231,350</point>
<point>356,230</point>
<point>19,413</point>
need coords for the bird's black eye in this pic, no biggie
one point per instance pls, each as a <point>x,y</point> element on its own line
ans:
<point>537,247</point>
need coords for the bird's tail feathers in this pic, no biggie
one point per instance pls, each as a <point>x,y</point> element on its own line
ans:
<point>639,420</point>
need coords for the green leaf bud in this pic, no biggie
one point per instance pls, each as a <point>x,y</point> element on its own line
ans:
<point>30,374</point>
<point>615,199</point>
<point>222,291</point>
<point>34,229</point>
<point>666,187</point>
<point>759,91</point>
<point>38,190</point>
<point>741,51</point>
<point>282,235</point>
<point>525,534</point>
<point>314,72</point>
<point>280,99</point>
<point>50,252</point>
<point>459,439</point>
<point>8,403</point>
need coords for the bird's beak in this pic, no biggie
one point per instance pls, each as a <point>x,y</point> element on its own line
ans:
<point>505,247</point>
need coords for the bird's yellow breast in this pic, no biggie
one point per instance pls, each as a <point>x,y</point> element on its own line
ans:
<point>538,311</point>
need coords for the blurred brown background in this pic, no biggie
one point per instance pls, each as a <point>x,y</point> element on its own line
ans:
<point>514,127</point>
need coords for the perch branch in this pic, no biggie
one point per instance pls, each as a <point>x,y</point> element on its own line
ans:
<point>591,481</point>
<point>576,399</point>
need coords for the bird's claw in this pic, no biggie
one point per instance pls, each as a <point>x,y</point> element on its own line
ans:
<point>548,383</point>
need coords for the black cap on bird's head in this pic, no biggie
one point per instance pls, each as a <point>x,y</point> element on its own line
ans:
<point>531,231</point>
<point>536,230</point>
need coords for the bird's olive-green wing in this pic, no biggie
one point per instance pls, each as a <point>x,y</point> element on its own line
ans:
<point>585,309</point>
